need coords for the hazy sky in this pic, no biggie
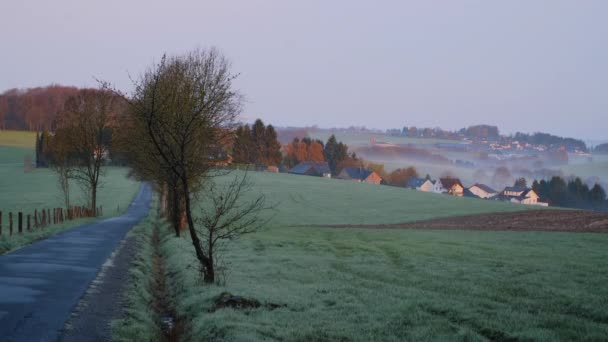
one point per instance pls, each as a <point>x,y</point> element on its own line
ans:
<point>522,65</point>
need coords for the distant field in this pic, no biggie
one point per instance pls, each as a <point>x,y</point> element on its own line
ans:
<point>364,138</point>
<point>395,285</point>
<point>17,139</point>
<point>315,200</point>
<point>20,191</point>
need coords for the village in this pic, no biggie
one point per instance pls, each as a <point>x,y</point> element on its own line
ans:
<point>446,185</point>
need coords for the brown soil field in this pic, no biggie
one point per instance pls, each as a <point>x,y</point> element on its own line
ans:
<point>533,220</point>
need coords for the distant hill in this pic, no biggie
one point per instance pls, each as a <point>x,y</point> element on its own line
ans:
<point>32,109</point>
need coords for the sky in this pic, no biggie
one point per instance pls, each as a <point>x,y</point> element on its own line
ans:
<point>521,65</point>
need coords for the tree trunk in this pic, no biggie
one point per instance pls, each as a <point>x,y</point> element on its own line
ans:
<point>175,211</point>
<point>209,276</point>
<point>93,197</point>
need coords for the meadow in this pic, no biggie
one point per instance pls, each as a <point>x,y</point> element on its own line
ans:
<point>37,189</point>
<point>346,284</point>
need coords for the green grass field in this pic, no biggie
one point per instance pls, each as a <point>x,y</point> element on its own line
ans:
<point>394,285</point>
<point>28,191</point>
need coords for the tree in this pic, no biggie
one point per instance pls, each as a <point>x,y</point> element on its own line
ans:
<point>521,183</point>
<point>242,145</point>
<point>83,130</point>
<point>258,139</point>
<point>226,217</point>
<point>301,151</point>
<point>60,162</point>
<point>335,153</point>
<point>272,147</point>
<point>558,191</point>
<point>401,177</point>
<point>315,152</point>
<point>597,195</point>
<point>186,104</point>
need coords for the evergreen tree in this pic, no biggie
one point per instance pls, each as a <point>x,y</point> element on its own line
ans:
<point>242,143</point>
<point>521,183</point>
<point>272,147</point>
<point>597,195</point>
<point>258,132</point>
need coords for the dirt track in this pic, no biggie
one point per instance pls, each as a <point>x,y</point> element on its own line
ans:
<point>534,220</point>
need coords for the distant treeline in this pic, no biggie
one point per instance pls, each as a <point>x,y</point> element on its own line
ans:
<point>33,109</point>
<point>570,194</point>
<point>491,133</point>
<point>602,148</point>
<point>551,141</point>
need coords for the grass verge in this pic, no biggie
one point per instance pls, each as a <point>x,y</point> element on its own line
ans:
<point>140,322</point>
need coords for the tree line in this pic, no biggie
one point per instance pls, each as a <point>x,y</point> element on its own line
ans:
<point>257,145</point>
<point>571,194</point>
<point>33,109</point>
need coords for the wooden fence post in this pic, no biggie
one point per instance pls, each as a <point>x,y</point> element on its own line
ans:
<point>10,223</point>
<point>29,227</point>
<point>20,219</point>
<point>48,215</point>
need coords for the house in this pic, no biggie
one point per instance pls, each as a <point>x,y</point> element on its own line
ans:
<point>318,169</point>
<point>360,174</point>
<point>272,169</point>
<point>482,191</point>
<point>521,195</point>
<point>468,193</point>
<point>452,186</point>
<point>425,185</point>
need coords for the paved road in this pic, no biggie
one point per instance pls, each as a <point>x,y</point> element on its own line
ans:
<point>41,284</point>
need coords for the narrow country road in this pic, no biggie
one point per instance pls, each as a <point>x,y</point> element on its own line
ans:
<point>41,283</point>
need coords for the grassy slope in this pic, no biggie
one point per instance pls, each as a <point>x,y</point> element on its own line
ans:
<point>20,191</point>
<point>395,284</point>
<point>312,200</point>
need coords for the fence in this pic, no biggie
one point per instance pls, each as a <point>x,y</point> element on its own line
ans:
<point>43,218</point>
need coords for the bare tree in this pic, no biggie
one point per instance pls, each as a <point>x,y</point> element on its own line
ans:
<point>84,126</point>
<point>59,162</point>
<point>226,216</point>
<point>186,105</point>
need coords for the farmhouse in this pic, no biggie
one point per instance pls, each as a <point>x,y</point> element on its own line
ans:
<point>452,186</point>
<point>317,169</point>
<point>521,195</point>
<point>482,191</point>
<point>360,174</point>
<point>425,185</point>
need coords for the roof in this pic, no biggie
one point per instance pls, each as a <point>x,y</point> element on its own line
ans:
<point>450,182</point>
<point>357,172</point>
<point>484,188</point>
<point>415,182</point>
<point>516,189</point>
<point>468,193</point>
<point>306,168</point>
